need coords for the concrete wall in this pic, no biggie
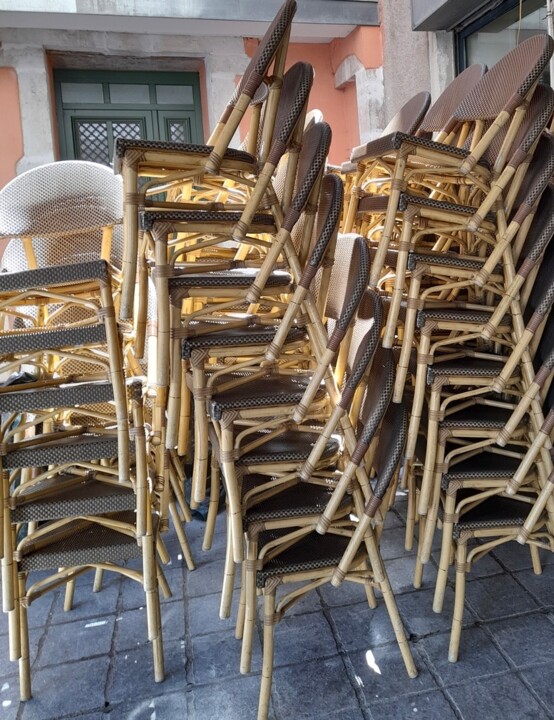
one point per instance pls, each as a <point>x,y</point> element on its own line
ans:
<point>26,52</point>
<point>413,61</point>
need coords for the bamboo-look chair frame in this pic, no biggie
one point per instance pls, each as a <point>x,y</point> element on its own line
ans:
<point>520,141</point>
<point>311,471</point>
<point>355,566</point>
<point>173,161</point>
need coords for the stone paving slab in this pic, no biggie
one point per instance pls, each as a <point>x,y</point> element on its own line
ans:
<point>335,658</point>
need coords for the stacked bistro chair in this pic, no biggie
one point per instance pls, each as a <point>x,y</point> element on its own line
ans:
<point>76,492</point>
<point>167,164</point>
<point>469,322</point>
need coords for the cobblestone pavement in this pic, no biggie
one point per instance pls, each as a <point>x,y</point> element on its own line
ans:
<point>334,657</point>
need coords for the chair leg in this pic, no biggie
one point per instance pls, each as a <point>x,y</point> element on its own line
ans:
<point>250,601</point>
<point>228,576</point>
<point>381,577</point>
<point>70,593</point>
<point>241,613</point>
<point>98,578</point>
<point>24,660</point>
<point>267,662</point>
<point>418,569</point>
<point>535,559</point>
<point>213,506</point>
<point>446,552</point>
<point>411,514</point>
<point>426,542</point>
<point>181,535</point>
<point>455,633</point>
<point>153,613</point>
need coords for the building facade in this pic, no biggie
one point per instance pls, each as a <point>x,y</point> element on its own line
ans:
<point>75,74</point>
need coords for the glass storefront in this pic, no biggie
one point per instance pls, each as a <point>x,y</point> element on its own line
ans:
<point>498,31</point>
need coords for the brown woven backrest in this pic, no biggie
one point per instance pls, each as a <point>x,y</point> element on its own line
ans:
<point>351,257</point>
<point>508,82</point>
<point>315,147</point>
<point>537,176</point>
<point>262,58</point>
<point>297,84</point>
<point>539,234</point>
<point>440,113</point>
<point>542,293</point>
<point>363,344</point>
<point>325,229</point>
<point>410,115</point>
<point>392,438</point>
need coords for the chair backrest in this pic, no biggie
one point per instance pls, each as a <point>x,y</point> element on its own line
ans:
<point>536,179</point>
<point>347,284</point>
<point>542,293</point>
<point>262,58</point>
<point>440,113</point>
<point>540,232</point>
<point>62,207</point>
<point>392,438</point>
<point>410,115</point>
<point>506,85</point>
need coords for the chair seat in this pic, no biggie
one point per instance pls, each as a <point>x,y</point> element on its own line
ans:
<point>393,141</point>
<point>55,275</point>
<point>291,446</point>
<point>82,447</point>
<point>20,399</point>
<point>455,315</point>
<point>122,145</point>
<point>447,260</point>
<point>498,511</point>
<point>465,367</point>
<point>29,341</point>
<point>267,391</point>
<point>300,500</point>
<point>235,278</point>
<point>247,335</point>
<point>484,466</point>
<point>313,552</point>
<point>69,496</point>
<point>148,218</point>
<point>478,416</point>
<point>80,542</point>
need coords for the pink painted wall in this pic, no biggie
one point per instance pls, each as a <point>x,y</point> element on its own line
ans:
<point>339,106</point>
<point>11,135</point>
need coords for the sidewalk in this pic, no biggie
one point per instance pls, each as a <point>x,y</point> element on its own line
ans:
<point>334,657</point>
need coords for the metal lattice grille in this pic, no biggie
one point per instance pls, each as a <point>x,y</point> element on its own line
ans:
<point>179,132</point>
<point>93,141</point>
<point>130,130</point>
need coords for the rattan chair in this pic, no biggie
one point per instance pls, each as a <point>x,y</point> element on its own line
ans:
<point>176,162</point>
<point>348,551</point>
<point>74,469</point>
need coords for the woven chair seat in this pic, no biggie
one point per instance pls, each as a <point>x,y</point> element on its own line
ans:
<point>55,275</point>
<point>484,466</point>
<point>313,552</point>
<point>266,391</point>
<point>298,501</point>
<point>406,199</point>
<point>465,367</point>
<point>291,446</point>
<point>235,278</point>
<point>446,260</point>
<point>122,145</point>
<point>248,335</point>
<point>67,395</point>
<point>30,341</point>
<point>80,542</point>
<point>392,142</point>
<point>70,496</point>
<point>498,511</point>
<point>150,217</point>
<point>485,417</point>
<point>453,314</point>
<point>83,447</point>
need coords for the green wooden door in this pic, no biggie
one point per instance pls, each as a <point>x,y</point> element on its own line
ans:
<point>95,107</point>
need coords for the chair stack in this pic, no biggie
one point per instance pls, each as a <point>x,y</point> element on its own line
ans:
<point>265,337</point>
<point>459,225</point>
